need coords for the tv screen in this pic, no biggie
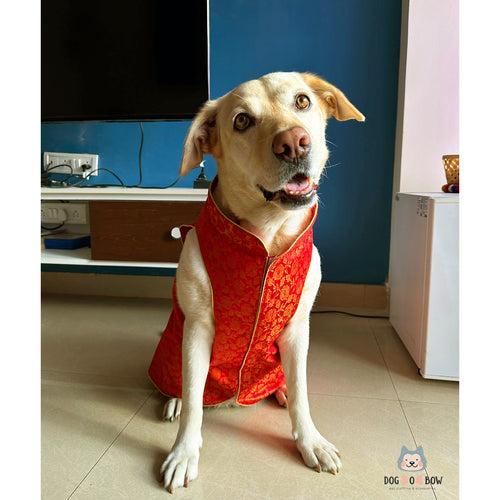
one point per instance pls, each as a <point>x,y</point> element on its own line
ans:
<point>124,59</point>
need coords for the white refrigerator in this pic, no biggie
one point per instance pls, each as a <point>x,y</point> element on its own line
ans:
<point>423,280</point>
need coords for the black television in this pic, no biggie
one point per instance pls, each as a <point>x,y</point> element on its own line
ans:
<point>123,59</point>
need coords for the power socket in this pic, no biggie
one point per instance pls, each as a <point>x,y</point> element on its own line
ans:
<point>70,213</point>
<point>52,214</point>
<point>74,160</point>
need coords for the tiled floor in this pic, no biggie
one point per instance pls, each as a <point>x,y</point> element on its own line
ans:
<point>102,437</point>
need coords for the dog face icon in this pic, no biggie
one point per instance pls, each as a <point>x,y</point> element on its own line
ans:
<point>411,461</point>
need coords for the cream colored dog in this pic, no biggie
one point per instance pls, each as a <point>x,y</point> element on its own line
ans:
<point>268,138</point>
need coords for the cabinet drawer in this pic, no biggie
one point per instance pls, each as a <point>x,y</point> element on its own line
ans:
<point>139,231</point>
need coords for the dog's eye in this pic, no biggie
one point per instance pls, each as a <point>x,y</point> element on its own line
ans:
<point>242,121</point>
<point>302,102</point>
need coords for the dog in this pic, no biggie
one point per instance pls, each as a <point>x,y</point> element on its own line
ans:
<point>268,139</point>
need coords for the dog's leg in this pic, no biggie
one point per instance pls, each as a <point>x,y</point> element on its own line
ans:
<point>317,452</point>
<point>194,295</point>
<point>181,464</point>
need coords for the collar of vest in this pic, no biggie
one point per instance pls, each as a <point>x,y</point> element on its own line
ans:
<point>214,217</point>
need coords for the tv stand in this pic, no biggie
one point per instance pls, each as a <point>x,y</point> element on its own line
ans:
<point>82,256</point>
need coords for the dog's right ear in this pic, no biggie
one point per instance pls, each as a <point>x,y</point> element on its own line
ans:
<point>202,137</point>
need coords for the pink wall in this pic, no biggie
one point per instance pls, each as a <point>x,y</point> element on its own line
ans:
<point>428,121</point>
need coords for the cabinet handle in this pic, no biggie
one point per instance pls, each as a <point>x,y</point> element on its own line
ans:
<point>175,233</point>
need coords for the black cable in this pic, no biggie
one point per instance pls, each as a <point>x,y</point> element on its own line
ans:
<point>139,155</point>
<point>122,184</point>
<point>48,169</point>
<point>160,187</point>
<point>139,158</point>
<point>348,314</point>
<point>45,179</point>
<point>51,228</point>
<point>76,184</point>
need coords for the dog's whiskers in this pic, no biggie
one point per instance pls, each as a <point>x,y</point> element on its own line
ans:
<point>332,143</point>
<point>334,165</point>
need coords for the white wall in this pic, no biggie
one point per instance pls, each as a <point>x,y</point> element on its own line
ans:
<point>428,114</point>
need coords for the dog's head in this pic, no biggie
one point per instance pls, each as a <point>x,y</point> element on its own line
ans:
<point>269,135</point>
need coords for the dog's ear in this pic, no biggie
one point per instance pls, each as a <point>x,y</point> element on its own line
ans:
<point>332,99</point>
<point>202,137</point>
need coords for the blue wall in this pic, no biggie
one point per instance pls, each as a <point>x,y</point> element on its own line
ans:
<point>352,43</point>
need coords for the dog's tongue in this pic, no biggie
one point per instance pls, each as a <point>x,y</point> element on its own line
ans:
<point>298,183</point>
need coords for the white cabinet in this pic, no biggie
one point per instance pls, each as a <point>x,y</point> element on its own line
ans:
<point>423,280</point>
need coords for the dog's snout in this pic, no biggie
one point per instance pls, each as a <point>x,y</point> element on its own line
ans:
<point>291,144</point>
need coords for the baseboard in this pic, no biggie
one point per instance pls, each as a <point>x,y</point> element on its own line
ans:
<point>109,285</point>
<point>355,298</point>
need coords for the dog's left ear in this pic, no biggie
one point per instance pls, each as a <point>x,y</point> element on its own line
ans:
<point>201,139</point>
<point>332,99</point>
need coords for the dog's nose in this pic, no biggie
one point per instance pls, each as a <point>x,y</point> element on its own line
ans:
<point>291,144</point>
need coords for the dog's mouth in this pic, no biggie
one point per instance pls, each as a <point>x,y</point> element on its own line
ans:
<point>298,192</point>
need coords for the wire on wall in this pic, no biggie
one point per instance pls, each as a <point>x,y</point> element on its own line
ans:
<point>77,184</point>
<point>81,183</point>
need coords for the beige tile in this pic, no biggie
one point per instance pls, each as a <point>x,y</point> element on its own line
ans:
<point>101,335</point>
<point>79,421</point>
<point>344,359</point>
<point>116,337</point>
<point>369,434</point>
<point>410,385</point>
<point>130,468</point>
<point>435,427</point>
<point>104,381</point>
<point>96,350</point>
<point>248,453</point>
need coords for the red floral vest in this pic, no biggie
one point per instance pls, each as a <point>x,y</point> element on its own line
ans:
<point>253,296</point>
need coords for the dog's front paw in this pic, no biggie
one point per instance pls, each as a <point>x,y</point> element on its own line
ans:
<point>318,453</point>
<point>181,465</point>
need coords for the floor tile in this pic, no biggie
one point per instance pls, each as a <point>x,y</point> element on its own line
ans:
<point>344,359</point>
<point>101,335</point>
<point>79,421</point>
<point>95,355</point>
<point>248,453</point>
<point>410,385</point>
<point>105,381</point>
<point>435,427</point>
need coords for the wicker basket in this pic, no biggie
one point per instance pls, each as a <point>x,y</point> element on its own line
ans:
<point>452,168</point>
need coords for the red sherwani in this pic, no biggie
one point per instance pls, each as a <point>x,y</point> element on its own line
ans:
<point>253,296</point>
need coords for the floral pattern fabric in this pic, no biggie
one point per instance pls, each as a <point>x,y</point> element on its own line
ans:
<point>254,296</point>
